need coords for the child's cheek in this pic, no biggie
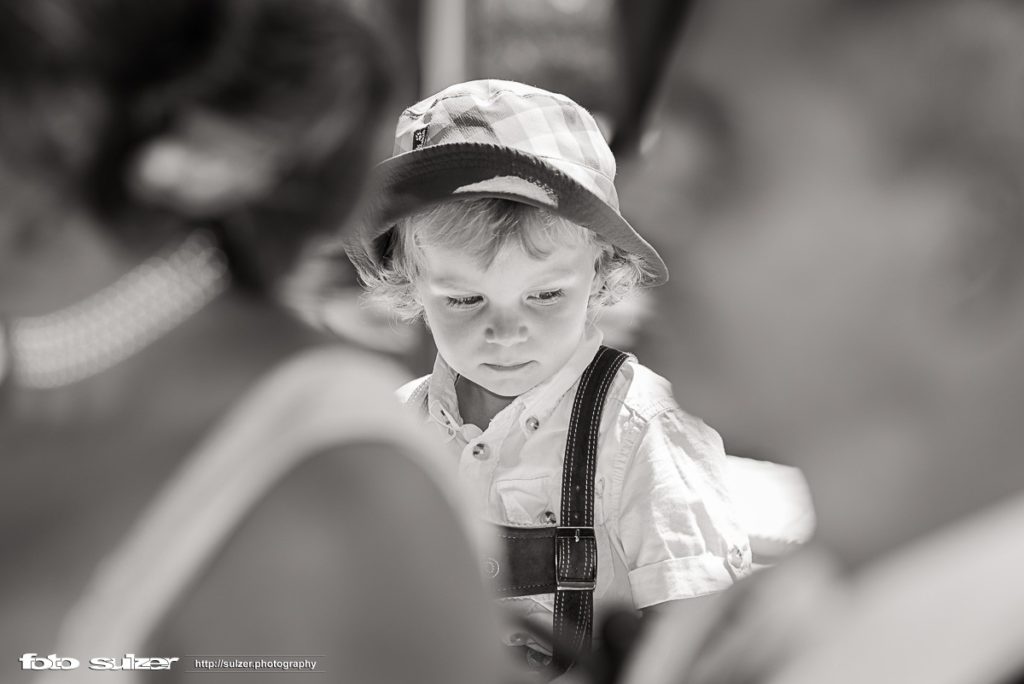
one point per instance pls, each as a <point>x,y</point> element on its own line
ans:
<point>572,308</point>
<point>557,314</point>
<point>453,323</point>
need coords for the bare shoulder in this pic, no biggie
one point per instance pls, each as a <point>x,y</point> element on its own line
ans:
<point>352,549</point>
<point>340,559</point>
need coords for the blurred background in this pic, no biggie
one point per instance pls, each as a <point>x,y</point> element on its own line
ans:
<point>835,187</point>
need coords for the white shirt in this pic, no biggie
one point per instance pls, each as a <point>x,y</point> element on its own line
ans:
<point>665,524</point>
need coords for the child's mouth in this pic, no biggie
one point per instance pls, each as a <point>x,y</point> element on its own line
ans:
<point>502,367</point>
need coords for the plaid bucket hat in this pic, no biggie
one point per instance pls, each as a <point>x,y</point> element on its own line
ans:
<point>505,140</point>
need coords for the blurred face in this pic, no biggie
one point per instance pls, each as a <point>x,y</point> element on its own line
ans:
<point>837,305</point>
<point>804,306</point>
<point>512,325</point>
<point>801,290</point>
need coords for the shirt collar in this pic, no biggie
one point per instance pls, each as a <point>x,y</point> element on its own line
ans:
<point>533,406</point>
<point>442,402</point>
<point>540,401</point>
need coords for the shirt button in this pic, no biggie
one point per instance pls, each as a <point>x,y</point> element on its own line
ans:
<point>532,423</point>
<point>480,452</point>
<point>550,518</point>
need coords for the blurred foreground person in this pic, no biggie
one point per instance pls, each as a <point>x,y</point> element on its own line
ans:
<point>180,474</point>
<point>855,294</point>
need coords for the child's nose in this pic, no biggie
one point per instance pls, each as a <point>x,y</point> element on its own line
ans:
<point>506,331</point>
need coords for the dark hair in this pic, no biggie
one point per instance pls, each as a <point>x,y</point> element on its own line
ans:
<point>87,85</point>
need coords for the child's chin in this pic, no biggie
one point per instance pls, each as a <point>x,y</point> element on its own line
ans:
<point>508,387</point>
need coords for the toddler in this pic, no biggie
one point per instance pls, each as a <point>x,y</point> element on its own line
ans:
<point>497,221</point>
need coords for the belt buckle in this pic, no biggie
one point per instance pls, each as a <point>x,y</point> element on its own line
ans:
<point>577,534</point>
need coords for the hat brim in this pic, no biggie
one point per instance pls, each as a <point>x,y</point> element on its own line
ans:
<point>408,183</point>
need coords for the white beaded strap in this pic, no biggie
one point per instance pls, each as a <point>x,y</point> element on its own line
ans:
<point>302,408</point>
<point>117,322</point>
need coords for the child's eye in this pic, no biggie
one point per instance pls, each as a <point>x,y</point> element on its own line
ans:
<point>548,297</point>
<point>462,302</point>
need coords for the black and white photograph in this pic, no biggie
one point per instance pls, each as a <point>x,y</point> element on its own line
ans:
<point>512,341</point>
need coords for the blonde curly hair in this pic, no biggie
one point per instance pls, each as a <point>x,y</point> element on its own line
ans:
<point>482,228</point>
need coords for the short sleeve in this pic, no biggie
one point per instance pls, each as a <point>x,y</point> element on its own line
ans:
<point>679,531</point>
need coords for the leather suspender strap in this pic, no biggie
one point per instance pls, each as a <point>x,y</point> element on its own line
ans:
<point>529,567</point>
<point>563,560</point>
<point>575,541</point>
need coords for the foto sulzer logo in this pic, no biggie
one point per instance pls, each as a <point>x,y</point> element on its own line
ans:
<point>130,661</point>
<point>34,661</point>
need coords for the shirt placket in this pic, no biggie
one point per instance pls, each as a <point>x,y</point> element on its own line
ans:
<point>480,457</point>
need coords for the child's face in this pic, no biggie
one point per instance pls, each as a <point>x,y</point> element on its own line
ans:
<point>511,326</point>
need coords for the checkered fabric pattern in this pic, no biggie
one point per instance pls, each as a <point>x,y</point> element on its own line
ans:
<point>505,140</point>
<point>546,125</point>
